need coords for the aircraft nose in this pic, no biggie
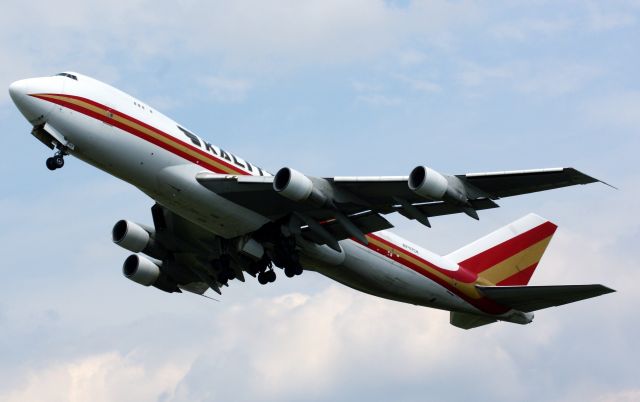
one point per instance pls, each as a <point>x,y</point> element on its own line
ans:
<point>18,90</point>
<point>35,110</point>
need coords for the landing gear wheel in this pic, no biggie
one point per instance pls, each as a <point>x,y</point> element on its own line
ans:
<point>58,161</point>
<point>271,276</point>
<point>290,272</point>
<point>263,278</point>
<point>50,164</point>
<point>299,270</point>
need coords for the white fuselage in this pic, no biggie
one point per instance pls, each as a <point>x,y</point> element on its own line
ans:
<point>125,137</point>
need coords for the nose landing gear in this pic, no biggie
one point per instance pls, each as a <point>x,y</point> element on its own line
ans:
<point>56,161</point>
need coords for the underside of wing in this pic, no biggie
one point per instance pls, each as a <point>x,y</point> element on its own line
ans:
<point>192,256</point>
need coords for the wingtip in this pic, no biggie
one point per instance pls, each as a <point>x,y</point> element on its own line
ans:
<point>610,185</point>
<point>590,179</point>
<point>602,289</point>
<point>607,290</point>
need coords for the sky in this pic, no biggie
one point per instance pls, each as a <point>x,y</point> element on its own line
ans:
<point>328,87</point>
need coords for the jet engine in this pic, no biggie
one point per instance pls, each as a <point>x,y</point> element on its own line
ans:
<point>133,237</point>
<point>431,184</point>
<point>141,270</point>
<point>297,187</point>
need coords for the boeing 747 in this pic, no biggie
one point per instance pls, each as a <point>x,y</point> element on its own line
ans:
<point>219,218</point>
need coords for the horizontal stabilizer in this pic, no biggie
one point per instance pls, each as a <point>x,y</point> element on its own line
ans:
<point>468,321</point>
<point>532,298</point>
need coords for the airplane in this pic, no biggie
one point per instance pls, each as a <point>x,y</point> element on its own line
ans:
<point>219,218</point>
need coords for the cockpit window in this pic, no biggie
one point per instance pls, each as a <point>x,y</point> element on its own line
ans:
<point>73,77</point>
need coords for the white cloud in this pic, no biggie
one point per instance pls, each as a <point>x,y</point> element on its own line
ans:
<point>604,20</point>
<point>412,57</point>
<point>222,89</point>
<point>246,34</point>
<point>364,87</point>
<point>474,75</point>
<point>630,395</point>
<point>419,85</point>
<point>102,377</point>
<point>555,79</point>
<point>527,28</point>
<point>289,347</point>
<point>378,99</point>
<point>615,110</point>
<point>547,79</point>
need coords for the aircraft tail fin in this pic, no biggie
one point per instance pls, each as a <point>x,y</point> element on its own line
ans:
<point>533,298</point>
<point>510,255</point>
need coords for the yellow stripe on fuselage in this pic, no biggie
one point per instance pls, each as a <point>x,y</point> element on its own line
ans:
<point>165,139</point>
<point>468,288</point>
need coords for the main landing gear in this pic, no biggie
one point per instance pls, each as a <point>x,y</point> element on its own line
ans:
<point>56,161</point>
<point>223,268</point>
<point>280,251</point>
<point>285,256</point>
<point>267,276</point>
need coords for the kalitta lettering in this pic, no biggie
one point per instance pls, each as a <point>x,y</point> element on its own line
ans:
<point>195,140</point>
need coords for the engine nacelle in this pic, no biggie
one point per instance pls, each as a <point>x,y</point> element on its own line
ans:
<point>297,187</point>
<point>130,235</point>
<point>141,270</point>
<point>428,183</point>
<point>135,238</point>
<point>431,184</point>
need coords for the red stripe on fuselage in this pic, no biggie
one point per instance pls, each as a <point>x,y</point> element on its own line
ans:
<point>460,275</point>
<point>110,121</point>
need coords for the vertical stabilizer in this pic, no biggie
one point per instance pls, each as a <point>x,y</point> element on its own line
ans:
<point>510,255</point>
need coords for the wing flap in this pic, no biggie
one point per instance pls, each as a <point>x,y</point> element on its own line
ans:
<point>533,298</point>
<point>443,208</point>
<point>368,222</point>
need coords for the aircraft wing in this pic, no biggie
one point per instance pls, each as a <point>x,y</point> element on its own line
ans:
<point>346,197</point>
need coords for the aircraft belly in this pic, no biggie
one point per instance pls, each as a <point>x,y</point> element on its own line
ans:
<point>372,273</point>
<point>177,189</point>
